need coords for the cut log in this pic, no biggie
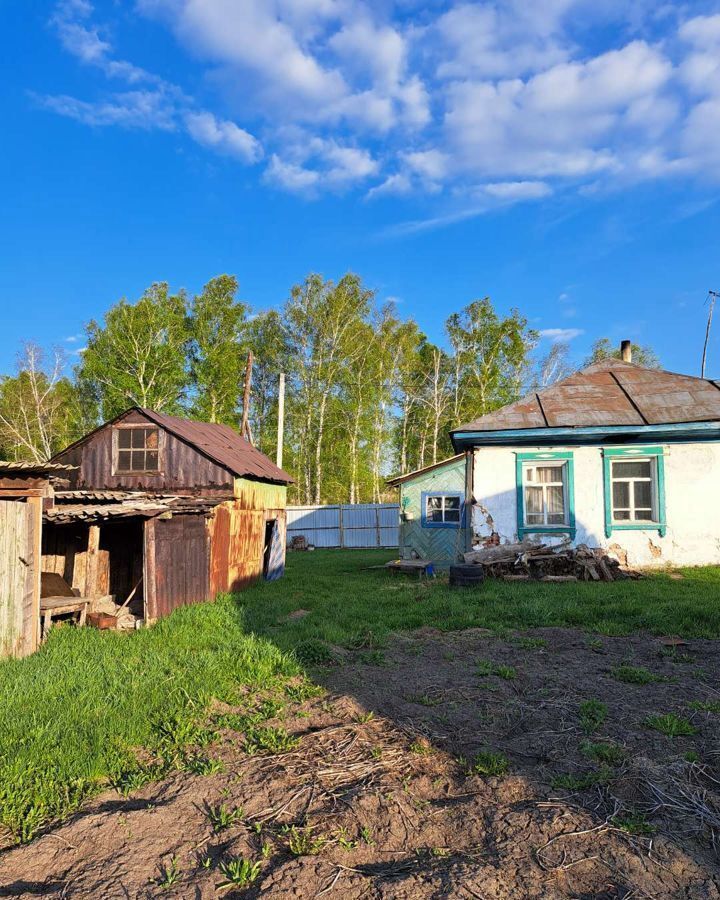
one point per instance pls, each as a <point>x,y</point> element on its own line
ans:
<point>501,552</point>
<point>559,578</point>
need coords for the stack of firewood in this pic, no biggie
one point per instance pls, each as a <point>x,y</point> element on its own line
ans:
<point>547,562</point>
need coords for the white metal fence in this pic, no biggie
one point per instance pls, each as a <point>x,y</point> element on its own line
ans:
<point>345,525</point>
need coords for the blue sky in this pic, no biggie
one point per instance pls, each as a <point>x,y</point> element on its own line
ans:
<point>561,158</point>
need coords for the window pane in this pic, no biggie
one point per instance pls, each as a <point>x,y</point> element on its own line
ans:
<point>622,515</point>
<point>635,469</point>
<point>643,494</point>
<point>556,518</point>
<point>533,501</point>
<point>123,460</point>
<point>434,503</point>
<point>138,461</point>
<point>643,515</point>
<point>452,515</point>
<point>151,461</point>
<point>138,438</point>
<point>123,437</point>
<point>533,519</point>
<point>547,474</point>
<point>151,438</point>
<point>556,501</point>
<point>452,503</point>
<point>621,494</point>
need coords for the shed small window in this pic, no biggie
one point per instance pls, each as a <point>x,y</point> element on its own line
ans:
<point>441,509</point>
<point>634,490</point>
<point>137,449</point>
<point>545,493</point>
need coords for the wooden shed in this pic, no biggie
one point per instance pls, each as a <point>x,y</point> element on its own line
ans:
<point>24,489</point>
<point>160,512</point>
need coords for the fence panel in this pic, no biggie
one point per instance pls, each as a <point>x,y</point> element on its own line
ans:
<point>356,525</point>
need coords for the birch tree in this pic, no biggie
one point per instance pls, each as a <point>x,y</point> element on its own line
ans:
<point>217,328</point>
<point>138,355</point>
<point>39,412</point>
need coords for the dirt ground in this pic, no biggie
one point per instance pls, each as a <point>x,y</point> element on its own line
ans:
<point>390,805</point>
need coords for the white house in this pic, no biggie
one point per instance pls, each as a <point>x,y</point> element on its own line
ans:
<point>616,456</point>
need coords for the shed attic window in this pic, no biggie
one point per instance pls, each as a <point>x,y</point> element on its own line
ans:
<point>545,487</point>
<point>634,490</point>
<point>137,449</point>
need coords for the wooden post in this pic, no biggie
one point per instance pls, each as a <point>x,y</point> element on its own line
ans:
<point>244,429</point>
<point>31,630</point>
<point>341,531</point>
<point>281,420</point>
<point>149,572</point>
<point>93,562</point>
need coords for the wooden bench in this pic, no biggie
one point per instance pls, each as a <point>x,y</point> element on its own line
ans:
<point>57,598</point>
<point>423,568</point>
<point>61,606</point>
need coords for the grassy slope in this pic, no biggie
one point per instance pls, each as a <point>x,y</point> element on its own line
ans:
<point>69,714</point>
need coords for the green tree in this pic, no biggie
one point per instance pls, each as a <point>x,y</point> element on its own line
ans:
<point>41,410</point>
<point>137,357</point>
<point>552,367</point>
<point>490,358</point>
<point>218,332</point>
<point>268,340</point>
<point>321,319</point>
<point>603,348</point>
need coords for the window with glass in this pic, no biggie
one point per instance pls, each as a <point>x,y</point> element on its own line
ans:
<point>545,493</point>
<point>137,449</point>
<point>634,490</point>
<point>442,509</point>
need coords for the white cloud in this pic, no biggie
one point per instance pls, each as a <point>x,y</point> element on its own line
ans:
<point>480,104</point>
<point>291,177</point>
<point>147,110</point>
<point>560,335</point>
<point>224,136</point>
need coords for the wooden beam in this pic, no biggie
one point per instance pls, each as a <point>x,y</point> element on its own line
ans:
<point>92,566</point>
<point>245,428</point>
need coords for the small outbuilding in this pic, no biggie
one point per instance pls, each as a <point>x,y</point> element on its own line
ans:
<point>434,510</point>
<point>159,512</point>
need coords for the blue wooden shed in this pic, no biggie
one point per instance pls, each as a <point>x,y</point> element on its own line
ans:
<point>434,512</point>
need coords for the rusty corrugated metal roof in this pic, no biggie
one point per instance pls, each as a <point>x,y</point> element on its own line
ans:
<point>223,445</point>
<point>45,468</point>
<point>609,392</point>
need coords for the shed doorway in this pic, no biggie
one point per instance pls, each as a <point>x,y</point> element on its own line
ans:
<point>270,528</point>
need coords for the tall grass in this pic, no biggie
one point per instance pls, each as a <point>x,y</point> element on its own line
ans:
<point>70,714</point>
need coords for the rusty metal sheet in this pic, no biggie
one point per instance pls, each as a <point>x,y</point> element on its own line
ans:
<point>664,397</point>
<point>222,444</point>
<point>610,392</point>
<point>588,399</point>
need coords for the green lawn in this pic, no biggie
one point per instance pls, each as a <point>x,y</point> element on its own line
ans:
<point>346,600</point>
<point>71,714</point>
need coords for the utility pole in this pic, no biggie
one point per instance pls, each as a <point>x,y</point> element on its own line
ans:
<point>281,419</point>
<point>245,427</point>
<point>712,297</point>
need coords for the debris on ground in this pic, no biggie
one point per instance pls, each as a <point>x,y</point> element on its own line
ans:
<point>532,560</point>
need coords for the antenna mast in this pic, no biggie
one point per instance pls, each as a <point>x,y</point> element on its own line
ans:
<point>712,297</point>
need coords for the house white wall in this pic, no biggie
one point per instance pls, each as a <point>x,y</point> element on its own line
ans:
<point>692,498</point>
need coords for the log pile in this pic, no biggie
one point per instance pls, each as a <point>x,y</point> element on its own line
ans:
<point>532,560</point>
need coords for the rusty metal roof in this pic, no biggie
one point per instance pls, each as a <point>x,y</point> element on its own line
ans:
<point>609,392</point>
<point>37,468</point>
<point>140,506</point>
<point>223,445</point>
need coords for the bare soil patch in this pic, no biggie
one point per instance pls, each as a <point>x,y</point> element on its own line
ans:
<point>590,801</point>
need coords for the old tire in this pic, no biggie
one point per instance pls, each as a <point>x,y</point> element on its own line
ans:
<point>472,573</point>
<point>463,581</point>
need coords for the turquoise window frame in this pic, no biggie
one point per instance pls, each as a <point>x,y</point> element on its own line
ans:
<point>539,456</point>
<point>614,453</point>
